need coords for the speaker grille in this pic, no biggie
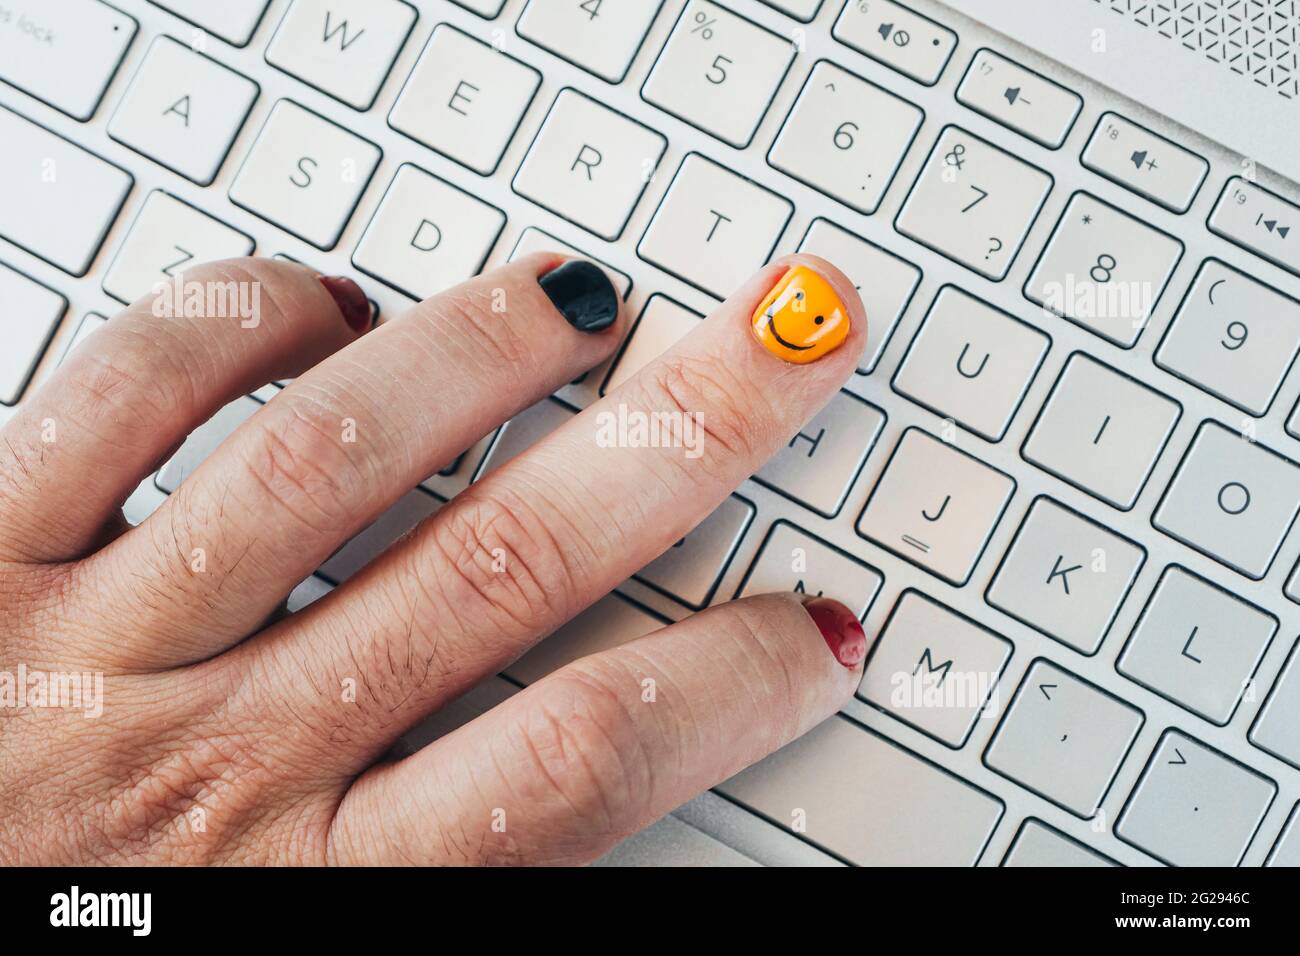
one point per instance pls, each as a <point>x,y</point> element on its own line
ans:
<point>1256,39</point>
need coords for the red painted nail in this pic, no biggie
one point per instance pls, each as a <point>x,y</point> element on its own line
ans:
<point>352,302</point>
<point>841,630</point>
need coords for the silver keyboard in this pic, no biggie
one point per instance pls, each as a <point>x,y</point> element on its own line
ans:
<point>1061,488</point>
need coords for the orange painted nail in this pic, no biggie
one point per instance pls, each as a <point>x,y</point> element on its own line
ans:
<point>802,318</point>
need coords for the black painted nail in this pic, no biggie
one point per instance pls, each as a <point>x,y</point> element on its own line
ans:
<point>583,293</point>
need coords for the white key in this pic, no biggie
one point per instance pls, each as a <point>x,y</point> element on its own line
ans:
<point>898,37</point>
<point>1274,728</point>
<point>973,202</point>
<point>714,228</point>
<point>934,669</point>
<point>1194,806</point>
<point>1101,431</point>
<point>1038,845</point>
<point>305,174</point>
<point>308,592</point>
<point>971,362</point>
<point>1259,220</point>
<point>601,36</point>
<point>1197,645</point>
<point>90,324</point>
<point>671,842</point>
<point>475,702</point>
<point>234,21</point>
<point>818,466</point>
<point>885,281</point>
<point>427,235</point>
<point>487,9</point>
<point>803,10</point>
<point>1063,738</point>
<point>1231,499</point>
<point>523,431</point>
<point>30,315</point>
<point>345,48</point>
<point>1233,336</point>
<point>1145,162</point>
<point>533,240</point>
<point>691,569</point>
<point>935,506</point>
<point>57,201</point>
<point>1292,587</point>
<point>610,622</point>
<point>63,52</point>
<point>203,441</point>
<point>168,237</point>
<point>845,137</point>
<point>1065,575</point>
<point>868,800</point>
<point>1286,851</point>
<point>791,559</point>
<point>1103,269</point>
<point>365,546</point>
<point>1019,98</point>
<point>719,72</point>
<point>661,324</point>
<point>464,99</point>
<point>589,164</point>
<point>183,110</point>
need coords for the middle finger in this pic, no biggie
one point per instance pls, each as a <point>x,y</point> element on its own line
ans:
<point>523,550</point>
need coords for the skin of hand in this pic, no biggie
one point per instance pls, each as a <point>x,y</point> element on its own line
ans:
<point>224,734</point>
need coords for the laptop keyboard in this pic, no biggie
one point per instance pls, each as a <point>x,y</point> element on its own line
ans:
<point>1061,487</point>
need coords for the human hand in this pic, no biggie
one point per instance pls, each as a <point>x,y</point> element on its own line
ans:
<point>218,707</point>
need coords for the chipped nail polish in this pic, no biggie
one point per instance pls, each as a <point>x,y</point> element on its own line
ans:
<point>841,630</point>
<point>352,302</point>
<point>802,318</point>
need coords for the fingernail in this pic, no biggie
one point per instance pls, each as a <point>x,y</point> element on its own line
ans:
<point>352,302</point>
<point>802,318</point>
<point>841,630</point>
<point>583,293</point>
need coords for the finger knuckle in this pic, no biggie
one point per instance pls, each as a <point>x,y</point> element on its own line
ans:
<point>300,461</point>
<point>111,384</point>
<point>588,752</point>
<point>471,319</point>
<point>733,415</point>
<point>496,559</point>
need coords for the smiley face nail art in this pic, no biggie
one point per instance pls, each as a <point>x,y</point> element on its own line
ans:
<point>802,318</point>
